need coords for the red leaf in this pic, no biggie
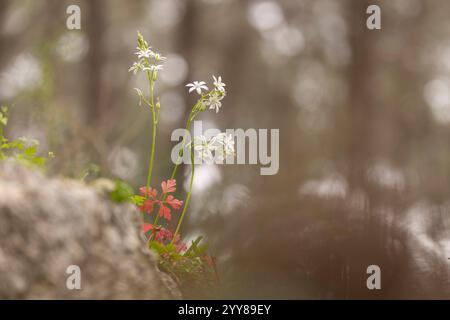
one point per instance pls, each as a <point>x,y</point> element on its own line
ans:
<point>174,203</point>
<point>147,227</point>
<point>147,207</point>
<point>152,193</point>
<point>165,212</point>
<point>168,186</point>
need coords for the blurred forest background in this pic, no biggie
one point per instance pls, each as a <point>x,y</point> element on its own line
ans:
<point>364,119</point>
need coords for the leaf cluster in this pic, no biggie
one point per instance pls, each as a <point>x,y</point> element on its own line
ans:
<point>21,149</point>
<point>193,269</point>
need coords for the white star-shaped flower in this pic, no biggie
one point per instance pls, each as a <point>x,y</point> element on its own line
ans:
<point>203,147</point>
<point>214,102</point>
<point>224,145</point>
<point>219,84</point>
<point>147,53</point>
<point>198,86</point>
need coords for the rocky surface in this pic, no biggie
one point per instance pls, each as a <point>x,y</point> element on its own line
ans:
<point>49,224</point>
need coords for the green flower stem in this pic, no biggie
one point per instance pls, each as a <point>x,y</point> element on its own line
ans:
<point>195,110</point>
<point>188,126</point>
<point>152,155</point>
<point>188,197</point>
<point>191,117</point>
<point>174,171</point>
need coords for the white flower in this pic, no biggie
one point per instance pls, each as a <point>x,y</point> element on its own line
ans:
<point>147,53</point>
<point>197,86</point>
<point>218,147</point>
<point>153,67</point>
<point>203,147</point>
<point>219,84</point>
<point>214,102</point>
<point>224,145</point>
<point>157,56</point>
<point>226,140</point>
<point>136,67</point>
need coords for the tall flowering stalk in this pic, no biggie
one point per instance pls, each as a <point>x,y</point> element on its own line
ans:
<point>148,200</point>
<point>148,61</point>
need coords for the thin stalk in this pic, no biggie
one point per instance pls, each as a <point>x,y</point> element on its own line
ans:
<point>191,117</point>
<point>152,155</point>
<point>188,197</point>
<point>180,154</point>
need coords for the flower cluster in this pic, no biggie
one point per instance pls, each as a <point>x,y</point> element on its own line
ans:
<point>148,60</point>
<point>167,201</point>
<point>214,97</point>
<point>218,147</point>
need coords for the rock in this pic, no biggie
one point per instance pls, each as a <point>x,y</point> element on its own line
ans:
<point>49,224</point>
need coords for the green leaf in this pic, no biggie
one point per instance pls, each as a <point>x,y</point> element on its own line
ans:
<point>137,200</point>
<point>17,144</point>
<point>30,151</point>
<point>158,247</point>
<point>3,120</point>
<point>122,192</point>
<point>21,149</point>
<point>194,246</point>
<point>38,161</point>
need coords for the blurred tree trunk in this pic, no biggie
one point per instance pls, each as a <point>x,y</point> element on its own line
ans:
<point>3,41</point>
<point>359,149</point>
<point>360,101</point>
<point>95,30</point>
